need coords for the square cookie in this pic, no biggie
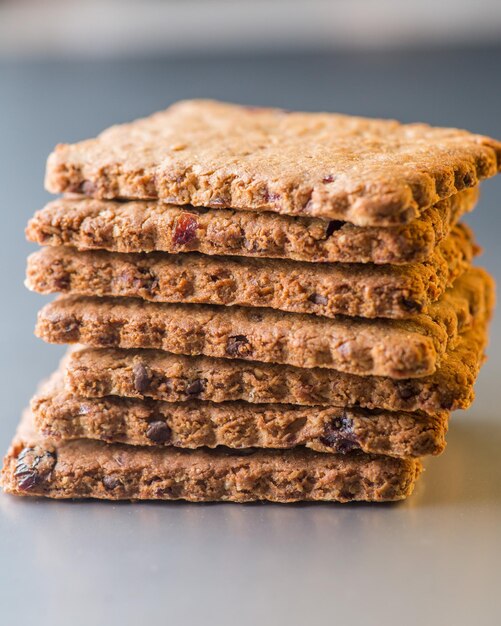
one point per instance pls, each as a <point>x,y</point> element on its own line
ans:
<point>212,154</point>
<point>37,466</point>
<point>364,290</point>
<point>150,226</point>
<point>60,414</point>
<point>395,348</point>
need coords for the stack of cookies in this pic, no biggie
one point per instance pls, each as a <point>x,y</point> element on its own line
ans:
<point>261,305</point>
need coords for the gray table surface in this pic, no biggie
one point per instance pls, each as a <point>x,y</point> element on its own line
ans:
<point>434,559</point>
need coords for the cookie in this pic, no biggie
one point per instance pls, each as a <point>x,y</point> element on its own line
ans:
<point>331,166</point>
<point>142,226</point>
<point>96,372</point>
<point>394,348</point>
<point>348,289</point>
<point>36,466</point>
<point>62,415</point>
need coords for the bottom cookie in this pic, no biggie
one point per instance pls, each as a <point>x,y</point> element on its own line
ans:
<point>90,469</point>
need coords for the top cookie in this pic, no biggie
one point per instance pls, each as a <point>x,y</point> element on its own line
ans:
<point>331,166</point>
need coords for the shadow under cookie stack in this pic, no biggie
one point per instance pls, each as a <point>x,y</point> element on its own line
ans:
<point>303,336</point>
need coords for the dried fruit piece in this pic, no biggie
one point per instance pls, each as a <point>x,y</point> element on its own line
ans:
<point>142,377</point>
<point>196,387</point>
<point>338,434</point>
<point>317,298</point>
<point>407,390</point>
<point>238,345</point>
<point>185,230</point>
<point>111,482</point>
<point>33,467</point>
<point>411,305</point>
<point>158,432</point>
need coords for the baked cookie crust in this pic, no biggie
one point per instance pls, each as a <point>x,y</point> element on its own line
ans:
<point>149,226</point>
<point>212,154</point>
<point>36,466</point>
<point>97,372</point>
<point>59,414</point>
<point>394,348</point>
<point>328,290</point>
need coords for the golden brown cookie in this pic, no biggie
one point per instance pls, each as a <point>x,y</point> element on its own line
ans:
<point>97,372</point>
<point>36,466</point>
<point>394,348</point>
<point>62,415</point>
<point>149,226</point>
<point>364,290</point>
<point>213,154</point>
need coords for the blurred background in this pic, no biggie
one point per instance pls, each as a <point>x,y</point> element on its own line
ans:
<point>68,69</point>
<point>113,28</point>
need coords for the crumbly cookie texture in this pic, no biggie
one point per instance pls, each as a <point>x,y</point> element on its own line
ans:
<point>36,466</point>
<point>348,289</point>
<point>212,154</point>
<point>142,226</point>
<point>62,415</point>
<point>395,348</point>
<point>97,372</point>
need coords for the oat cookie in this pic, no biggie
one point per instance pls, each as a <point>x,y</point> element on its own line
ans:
<point>336,289</point>
<point>97,372</point>
<point>142,226</point>
<point>213,154</point>
<point>37,466</point>
<point>62,415</point>
<point>395,348</point>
